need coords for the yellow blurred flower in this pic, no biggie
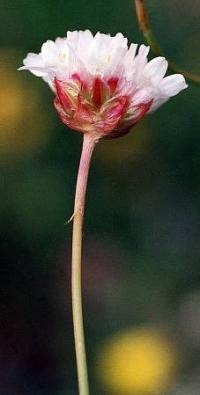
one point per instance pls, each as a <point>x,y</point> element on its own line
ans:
<point>137,362</point>
<point>23,123</point>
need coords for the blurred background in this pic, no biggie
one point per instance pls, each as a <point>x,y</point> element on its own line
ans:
<point>142,230</point>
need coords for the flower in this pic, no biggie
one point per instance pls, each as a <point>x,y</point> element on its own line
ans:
<point>102,86</point>
<point>137,361</point>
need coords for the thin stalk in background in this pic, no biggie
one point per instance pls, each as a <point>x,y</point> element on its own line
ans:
<point>144,24</point>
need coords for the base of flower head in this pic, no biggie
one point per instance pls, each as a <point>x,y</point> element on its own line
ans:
<point>97,106</point>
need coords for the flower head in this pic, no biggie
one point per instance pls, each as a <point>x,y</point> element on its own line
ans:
<point>101,85</point>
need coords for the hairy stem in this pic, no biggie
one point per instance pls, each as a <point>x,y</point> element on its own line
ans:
<point>79,205</point>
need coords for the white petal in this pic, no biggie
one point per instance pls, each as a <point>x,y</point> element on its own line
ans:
<point>172,85</point>
<point>49,52</point>
<point>140,62</point>
<point>35,64</point>
<point>143,51</point>
<point>156,69</point>
<point>132,50</point>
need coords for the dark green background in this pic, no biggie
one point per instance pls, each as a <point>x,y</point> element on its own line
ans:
<point>142,232</point>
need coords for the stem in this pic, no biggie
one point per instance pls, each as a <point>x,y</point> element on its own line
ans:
<point>79,205</point>
<point>144,24</point>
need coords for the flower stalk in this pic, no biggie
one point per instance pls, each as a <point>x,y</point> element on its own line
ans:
<point>79,205</point>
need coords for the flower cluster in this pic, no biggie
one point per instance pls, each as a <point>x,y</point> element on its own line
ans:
<point>101,85</point>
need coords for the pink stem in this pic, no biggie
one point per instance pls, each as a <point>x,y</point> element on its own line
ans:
<point>79,206</point>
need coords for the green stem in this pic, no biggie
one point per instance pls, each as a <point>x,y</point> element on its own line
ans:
<point>144,24</point>
<point>79,205</point>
